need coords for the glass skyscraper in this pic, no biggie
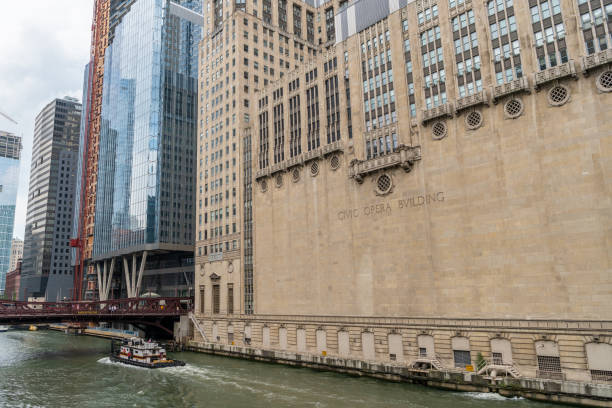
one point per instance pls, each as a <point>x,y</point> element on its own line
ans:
<point>10,154</point>
<point>146,178</point>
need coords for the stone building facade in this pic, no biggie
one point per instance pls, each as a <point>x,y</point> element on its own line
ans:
<point>16,253</point>
<point>428,187</point>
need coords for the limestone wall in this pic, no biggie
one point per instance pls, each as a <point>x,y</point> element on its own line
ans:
<point>511,220</point>
<point>523,338</point>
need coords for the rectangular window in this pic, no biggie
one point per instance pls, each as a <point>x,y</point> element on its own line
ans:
<point>549,364</point>
<point>462,358</point>
<point>202,301</point>
<point>230,298</point>
<point>216,299</point>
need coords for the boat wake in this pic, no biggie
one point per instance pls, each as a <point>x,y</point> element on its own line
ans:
<point>107,360</point>
<point>491,396</point>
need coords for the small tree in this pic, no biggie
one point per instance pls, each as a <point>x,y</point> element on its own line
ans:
<point>480,361</point>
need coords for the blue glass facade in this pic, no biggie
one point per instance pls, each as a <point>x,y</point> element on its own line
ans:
<point>10,148</point>
<point>83,137</point>
<point>148,136</point>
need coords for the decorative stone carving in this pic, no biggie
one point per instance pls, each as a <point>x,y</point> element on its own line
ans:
<point>596,60</point>
<point>441,111</point>
<point>510,88</point>
<point>475,99</point>
<point>555,73</point>
<point>404,157</point>
<point>301,159</point>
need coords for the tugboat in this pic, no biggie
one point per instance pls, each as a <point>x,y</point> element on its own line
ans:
<point>140,353</point>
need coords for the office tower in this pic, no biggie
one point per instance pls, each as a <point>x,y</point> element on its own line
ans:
<point>429,181</point>
<point>10,153</point>
<point>46,270</point>
<point>144,199</point>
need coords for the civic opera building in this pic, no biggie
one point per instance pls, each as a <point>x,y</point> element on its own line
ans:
<point>407,182</point>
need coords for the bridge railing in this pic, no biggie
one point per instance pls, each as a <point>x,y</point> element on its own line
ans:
<point>134,306</point>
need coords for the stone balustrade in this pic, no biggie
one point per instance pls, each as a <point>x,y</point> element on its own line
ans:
<point>478,98</point>
<point>509,88</point>
<point>300,159</point>
<point>555,73</point>
<point>444,110</point>
<point>404,157</point>
<point>598,59</point>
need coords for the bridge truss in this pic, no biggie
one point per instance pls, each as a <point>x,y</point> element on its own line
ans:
<point>157,312</point>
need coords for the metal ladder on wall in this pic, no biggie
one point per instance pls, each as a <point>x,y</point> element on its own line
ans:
<point>197,326</point>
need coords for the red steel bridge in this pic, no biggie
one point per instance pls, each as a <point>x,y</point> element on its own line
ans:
<point>145,313</point>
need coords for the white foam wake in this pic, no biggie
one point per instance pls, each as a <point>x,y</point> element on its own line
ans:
<point>107,360</point>
<point>491,396</point>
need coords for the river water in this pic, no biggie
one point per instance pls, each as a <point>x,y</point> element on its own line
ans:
<point>51,369</point>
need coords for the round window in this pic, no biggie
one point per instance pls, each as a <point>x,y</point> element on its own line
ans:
<point>558,95</point>
<point>438,130</point>
<point>334,162</point>
<point>264,185</point>
<point>473,120</point>
<point>279,180</point>
<point>604,81</point>
<point>513,108</point>
<point>314,168</point>
<point>384,184</point>
<point>295,175</point>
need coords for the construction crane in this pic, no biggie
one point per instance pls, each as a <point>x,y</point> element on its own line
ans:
<point>8,117</point>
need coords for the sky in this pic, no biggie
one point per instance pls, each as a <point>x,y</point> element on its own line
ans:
<point>44,47</point>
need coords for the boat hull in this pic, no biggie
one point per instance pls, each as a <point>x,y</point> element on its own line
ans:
<point>171,363</point>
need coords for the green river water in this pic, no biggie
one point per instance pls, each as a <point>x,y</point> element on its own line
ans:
<point>51,369</point>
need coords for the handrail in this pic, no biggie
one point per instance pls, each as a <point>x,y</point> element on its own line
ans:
<point>508,366</point>
<point>196,324</point>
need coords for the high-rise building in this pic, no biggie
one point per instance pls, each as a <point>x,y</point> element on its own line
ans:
<point>87,177</point>
<point>10,153</point>
<point>46,269</point>
<point>143,223</point>
<point>16,253</point>
<point>408,182</point>
<point>247,47</point>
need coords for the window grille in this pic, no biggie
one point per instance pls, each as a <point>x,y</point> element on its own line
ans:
<point>601,375</point>
<point>549,367</point>
<point>462,358</point>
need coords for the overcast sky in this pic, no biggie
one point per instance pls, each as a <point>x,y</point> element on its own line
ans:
<point>44,46</point>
